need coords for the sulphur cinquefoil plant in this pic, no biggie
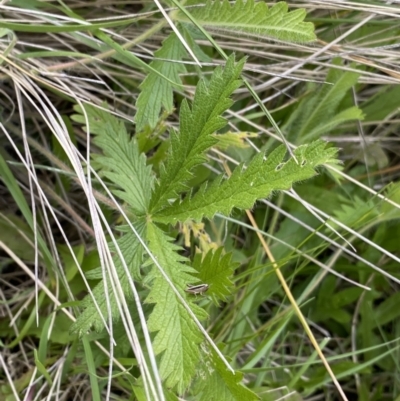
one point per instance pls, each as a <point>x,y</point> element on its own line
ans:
<point>174,220</point>
<point>157,202</point>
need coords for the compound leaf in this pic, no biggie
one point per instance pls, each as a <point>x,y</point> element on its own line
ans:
<point>243,18</point>
<point>246,185</point>
<point>121,161</point>
<point>177,336</point>
<point>195,137</point>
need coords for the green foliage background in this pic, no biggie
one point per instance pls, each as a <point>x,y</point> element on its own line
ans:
<point>139,205</point>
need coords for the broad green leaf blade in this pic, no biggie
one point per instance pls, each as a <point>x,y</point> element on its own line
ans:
<point>129,58</point>
<point>156,92</point>
<point>132,251</point>
<point>383,103</point>
<point>388,310</point>
<point>318,112</point>
<point>215,270</point>
<point>13,187</point>
<point>352,113</point>
<point>245,186</point>
<point>11,228</point>
<point>121,161</point>
<point>195,137</point>
<point>328,98</point>
<point>177,337</point>
<point>91,366</point>
<point>243,18</point>
<point>41,368</point>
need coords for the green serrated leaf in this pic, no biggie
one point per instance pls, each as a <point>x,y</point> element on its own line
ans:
<point>393,193</point>
<point>196,128</point>
<point>245,186</point>
<point>177,337</point>
<point>156,92</point>
<point>257,19</point>
<point>132,251</point>
<point>121,161</point>
<point>216,382</point>
<point>215,270</point>
<point>356,212</point>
